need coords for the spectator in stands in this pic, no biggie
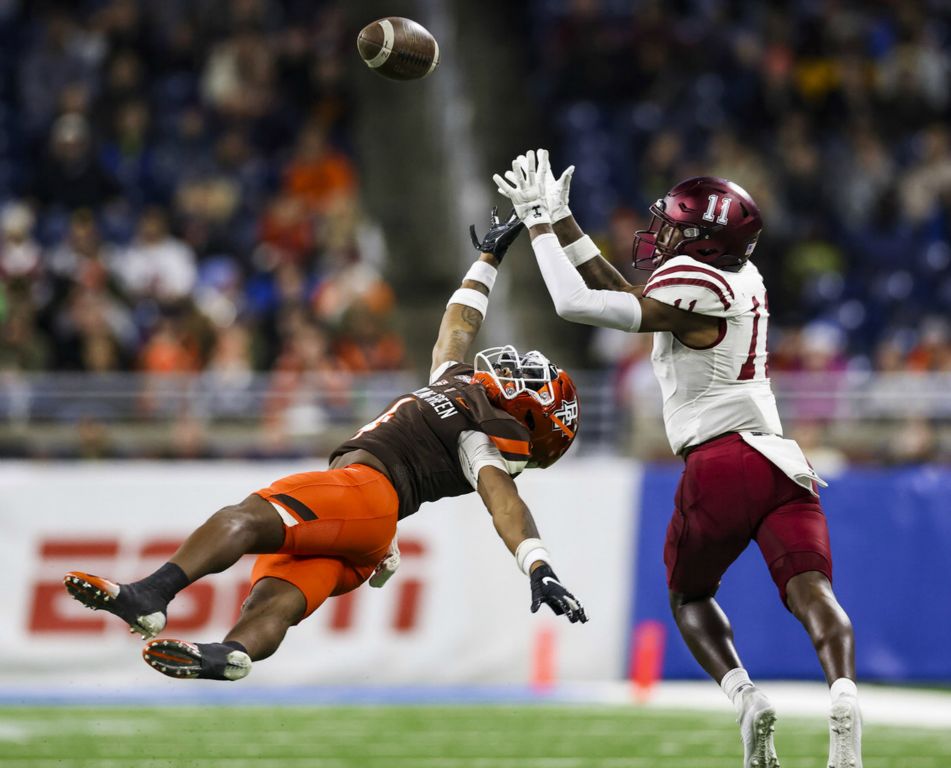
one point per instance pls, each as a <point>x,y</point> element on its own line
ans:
<point>158,265</point>
<point>316,173</point>
<point>229,372</point>
<point>20,255</point>
<point>57,59</point>
<point>865,172</point>
<point>349,280</point>
<point>916,442</point>
<point>94,441</point>
<point>83,258</point>
<point>167,351</point>
<point>288,226</point>
<point>89,329</point>
<point>366,342</point>
<point>23,347</point>
<point>123,83</point>
<point>932,352</point>
<point>83,298</point>
<point>190,439</point>
<point>70,175</point>
<point>128,156</point>
<point>930,176</point>
<point>238,80</point>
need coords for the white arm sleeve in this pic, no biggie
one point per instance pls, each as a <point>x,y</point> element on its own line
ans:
<point>476,450</point>
<point>573,299</point>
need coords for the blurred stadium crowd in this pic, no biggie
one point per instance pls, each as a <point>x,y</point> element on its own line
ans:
<point>180,193</point>
<point>834,115</point>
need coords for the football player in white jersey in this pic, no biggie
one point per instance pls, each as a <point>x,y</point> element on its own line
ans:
<point>706,305</point>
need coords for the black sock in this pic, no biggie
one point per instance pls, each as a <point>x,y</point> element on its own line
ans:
<point>167,581</point>
<point>214,659</point>
<point>236,646</point>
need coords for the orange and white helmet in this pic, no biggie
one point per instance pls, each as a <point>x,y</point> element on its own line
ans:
<point>541,396</point>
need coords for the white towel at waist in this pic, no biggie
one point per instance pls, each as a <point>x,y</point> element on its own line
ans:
<point>788,456</point>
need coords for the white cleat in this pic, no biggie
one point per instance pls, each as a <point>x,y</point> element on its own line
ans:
<point>757,723</point>
<point>845,733</point>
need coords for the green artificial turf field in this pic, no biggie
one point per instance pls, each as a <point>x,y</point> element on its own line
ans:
<point>421,737</point>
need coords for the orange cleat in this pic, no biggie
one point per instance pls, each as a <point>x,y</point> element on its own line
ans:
<point>183,660</point>
<point>144,616</point>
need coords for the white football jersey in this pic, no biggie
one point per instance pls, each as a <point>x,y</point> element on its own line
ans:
<point>723,387</point>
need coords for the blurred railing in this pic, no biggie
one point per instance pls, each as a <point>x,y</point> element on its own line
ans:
<point>852,396</point>
<point>245,414</point>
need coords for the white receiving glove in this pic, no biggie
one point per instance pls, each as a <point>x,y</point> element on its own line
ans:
<point>524,185</point>
<point>556,192</point>
<point>387,566</point>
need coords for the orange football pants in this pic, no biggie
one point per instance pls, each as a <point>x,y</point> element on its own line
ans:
<point>338,527</point>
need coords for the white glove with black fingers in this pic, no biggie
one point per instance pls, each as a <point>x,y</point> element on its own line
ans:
<point>556,191</point>
<point>547,589</point>
<point>524,185</point>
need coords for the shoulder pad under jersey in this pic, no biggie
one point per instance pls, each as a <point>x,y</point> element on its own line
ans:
<point>687,284</point>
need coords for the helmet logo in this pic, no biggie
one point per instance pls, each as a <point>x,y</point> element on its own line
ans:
<point>724,209</point>
<point>566,417</point>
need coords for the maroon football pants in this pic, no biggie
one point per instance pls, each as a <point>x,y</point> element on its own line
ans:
<point>730,494</point>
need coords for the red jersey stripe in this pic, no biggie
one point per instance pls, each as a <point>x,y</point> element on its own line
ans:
<point>665,270</point>
<point>712,287</point>
<point>748,369</point>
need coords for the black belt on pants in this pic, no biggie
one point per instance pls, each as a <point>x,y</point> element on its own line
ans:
<point>691,448</point>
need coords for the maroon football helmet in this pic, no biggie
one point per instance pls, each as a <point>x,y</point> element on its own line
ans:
<point>706,218</point>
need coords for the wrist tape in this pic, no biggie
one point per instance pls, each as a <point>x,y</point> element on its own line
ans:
<point>529,552</point>
<point>482,272</point>
<point>581,250</point>
<point>470,297</point>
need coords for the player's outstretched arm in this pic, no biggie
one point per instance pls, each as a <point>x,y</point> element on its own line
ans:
<point>580,249</point>
<point>467,307</point>
<point>525,186</point>
<point>624,308</point>
<point>516,527</point>
<point>585,256</point>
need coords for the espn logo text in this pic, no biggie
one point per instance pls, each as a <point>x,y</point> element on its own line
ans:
<point>213,602</point>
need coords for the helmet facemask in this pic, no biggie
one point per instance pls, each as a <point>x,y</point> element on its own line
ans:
<point>664,238</point>
<point>513,374</point>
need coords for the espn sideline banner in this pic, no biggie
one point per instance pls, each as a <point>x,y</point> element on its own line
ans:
<point>457,611</point>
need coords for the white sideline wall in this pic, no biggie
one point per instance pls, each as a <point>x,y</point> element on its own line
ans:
<point>456,612</point>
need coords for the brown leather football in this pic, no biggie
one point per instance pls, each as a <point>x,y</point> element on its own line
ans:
<point>398,48</point>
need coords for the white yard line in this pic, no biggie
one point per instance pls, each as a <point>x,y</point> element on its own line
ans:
<point>880,705</point>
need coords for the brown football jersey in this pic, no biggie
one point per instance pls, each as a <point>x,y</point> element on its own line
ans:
<point>417,437</point>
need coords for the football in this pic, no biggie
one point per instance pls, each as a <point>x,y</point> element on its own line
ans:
<point>398,48</point>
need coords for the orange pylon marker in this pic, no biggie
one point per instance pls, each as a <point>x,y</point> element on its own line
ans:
<point>647,658</point>
<point>544,660</point>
